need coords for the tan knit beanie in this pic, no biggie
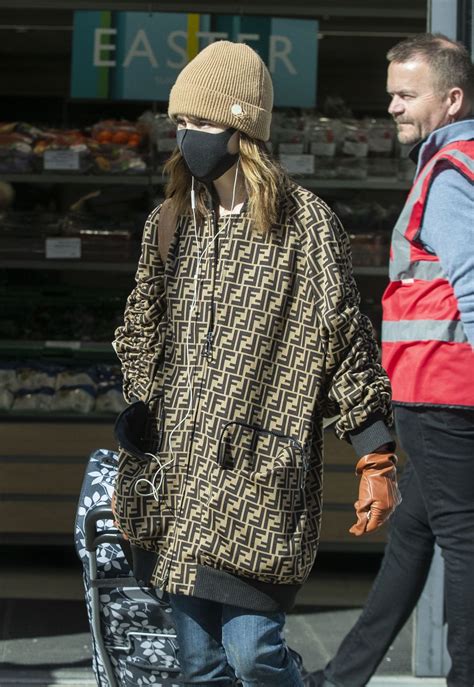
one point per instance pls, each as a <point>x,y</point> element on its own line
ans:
<point>229,84</point>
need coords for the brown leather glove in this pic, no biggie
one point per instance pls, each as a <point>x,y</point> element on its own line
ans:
<point>378,491</point>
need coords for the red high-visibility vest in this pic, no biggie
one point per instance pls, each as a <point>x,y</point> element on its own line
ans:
<point>425,350</point>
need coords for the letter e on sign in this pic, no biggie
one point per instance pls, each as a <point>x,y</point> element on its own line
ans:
<point>100,47</point>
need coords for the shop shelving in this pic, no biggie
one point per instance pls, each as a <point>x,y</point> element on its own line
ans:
<point>156,179</point>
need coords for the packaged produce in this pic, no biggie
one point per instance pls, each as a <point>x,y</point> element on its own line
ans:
<point>75,399</point>
<point>162,133</point>
<point>380,137</point>
<point>114,158</point>
<point>16,147</point>
<point>352,163</point>
<point>35,399</point>
<point>109,389</point>
<point>117,146</point>
<point>322,144</point>
<point>51,387</point>
<point>8,377</point>
<point>288,134</point>
<point>16,153</point>
<point>34,376</point>
<point>118,131</point>
<point>8,385</point>
<point>6,398</point>
<point>110,399</point>
<point>62,150</point>
<point>75,377</point>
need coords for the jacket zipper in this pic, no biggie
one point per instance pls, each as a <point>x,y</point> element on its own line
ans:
<point>210,332</point>
<point>207,353</point>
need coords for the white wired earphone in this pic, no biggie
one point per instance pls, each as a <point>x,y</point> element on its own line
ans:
<point>160,472</point>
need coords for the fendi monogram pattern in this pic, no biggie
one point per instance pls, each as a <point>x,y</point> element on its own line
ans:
<point>275,342</point>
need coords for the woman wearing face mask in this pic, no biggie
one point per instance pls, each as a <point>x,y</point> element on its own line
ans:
<point>251,331</point>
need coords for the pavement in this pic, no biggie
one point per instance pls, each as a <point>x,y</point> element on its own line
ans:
<point>44,634</point>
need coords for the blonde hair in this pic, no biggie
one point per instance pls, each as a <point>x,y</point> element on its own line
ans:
<point>266,184</point>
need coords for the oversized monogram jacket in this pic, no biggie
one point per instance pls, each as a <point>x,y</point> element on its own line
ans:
<point>252,340</point>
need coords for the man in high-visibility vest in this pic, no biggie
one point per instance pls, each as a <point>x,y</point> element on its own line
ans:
<point>427,350</point>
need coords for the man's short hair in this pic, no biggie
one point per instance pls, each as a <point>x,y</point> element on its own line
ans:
<point>449,60</point>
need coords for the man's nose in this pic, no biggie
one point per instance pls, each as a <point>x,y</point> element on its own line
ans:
<point>396,106</point>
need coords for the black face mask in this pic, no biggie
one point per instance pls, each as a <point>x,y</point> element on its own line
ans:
<point>206,154</point>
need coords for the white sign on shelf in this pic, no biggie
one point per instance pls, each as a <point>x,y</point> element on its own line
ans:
<point>63,248</point>
<point>298,164</point>
<point>355,148</point>
<point>291,148</point>
<point>61,160</point>
<point>323,148</point>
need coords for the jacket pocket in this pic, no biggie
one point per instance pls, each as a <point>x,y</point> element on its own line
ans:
<point>253,514</point>
<point>139,481</point>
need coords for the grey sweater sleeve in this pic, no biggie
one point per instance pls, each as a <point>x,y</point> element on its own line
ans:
<point>448,232</point>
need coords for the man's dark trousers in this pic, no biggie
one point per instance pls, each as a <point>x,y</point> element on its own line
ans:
<point>437,488</point>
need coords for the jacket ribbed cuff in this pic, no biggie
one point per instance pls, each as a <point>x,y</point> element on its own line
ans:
<point>373,434</point>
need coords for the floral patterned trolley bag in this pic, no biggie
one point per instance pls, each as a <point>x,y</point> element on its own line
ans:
<point>133,638</point>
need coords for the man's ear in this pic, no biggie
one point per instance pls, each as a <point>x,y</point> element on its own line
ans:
<point>456,100</point>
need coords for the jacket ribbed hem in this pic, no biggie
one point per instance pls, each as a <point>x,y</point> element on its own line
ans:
<point>222,587</point>
<point>370,437</point>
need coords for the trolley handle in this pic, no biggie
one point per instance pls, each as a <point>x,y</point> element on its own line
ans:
<point>93,538</point>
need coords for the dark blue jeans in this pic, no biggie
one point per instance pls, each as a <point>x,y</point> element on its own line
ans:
<point>437,488</point>
<point>219,642</point>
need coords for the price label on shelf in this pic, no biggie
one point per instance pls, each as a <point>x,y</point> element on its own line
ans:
<point>56,160</point>
<point>323,148</point>
<point>71,345</point>
<point>291,148</point>
<point>298,164</point>
<point>63,248</point>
